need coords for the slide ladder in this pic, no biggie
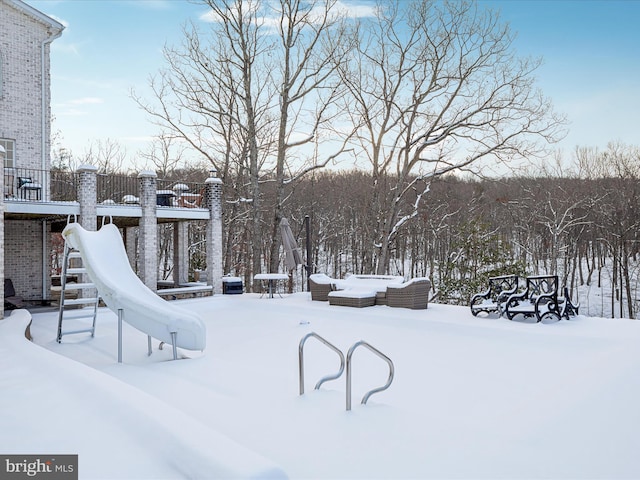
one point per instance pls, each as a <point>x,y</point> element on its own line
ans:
<point>119,288</point>
<point>87,299</point>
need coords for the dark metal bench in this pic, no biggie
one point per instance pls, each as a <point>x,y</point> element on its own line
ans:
<point>492,300</point>
<point>567,307</point>
<point>540,299</point>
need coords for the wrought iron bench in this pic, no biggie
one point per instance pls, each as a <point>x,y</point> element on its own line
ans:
<point>567,307</point>
<point>492,300</point>
<point>540,300</point>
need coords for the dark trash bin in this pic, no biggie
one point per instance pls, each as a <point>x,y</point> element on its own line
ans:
<point>231,285</point>
<point>164,198</point>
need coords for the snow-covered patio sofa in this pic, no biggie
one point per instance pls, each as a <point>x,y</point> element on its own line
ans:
<point>376,285</point>
<point>368,290</point>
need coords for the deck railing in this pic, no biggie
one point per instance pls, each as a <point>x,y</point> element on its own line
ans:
<point>29,184</point>
<point>117,189</point>
<point>33,185</point>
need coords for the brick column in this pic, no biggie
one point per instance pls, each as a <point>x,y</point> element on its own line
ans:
<point>130,246</point>
<point>180,253</point>
<point>213,192</point>
<point>88,199</point>
<point>148,231</point>
<point>88,196</point>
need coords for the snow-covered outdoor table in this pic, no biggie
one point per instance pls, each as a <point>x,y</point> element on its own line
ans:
<point>375,283</point>
<point>272,278</point>
<point>352,298</point>
<point>378,283</point>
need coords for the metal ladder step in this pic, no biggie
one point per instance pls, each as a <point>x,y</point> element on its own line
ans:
<point>78,314</point>
<point>73,255</point>
<point>76,270</point>
<point>79,301</point>
<point>79,286</point>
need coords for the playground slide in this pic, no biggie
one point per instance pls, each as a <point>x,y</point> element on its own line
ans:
<point>106,261</point>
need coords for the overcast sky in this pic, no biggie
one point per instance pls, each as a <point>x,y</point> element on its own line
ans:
<point>591,52</point>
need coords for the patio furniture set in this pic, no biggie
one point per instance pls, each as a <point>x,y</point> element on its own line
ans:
<point>539,297</point>
<point>368,290</point>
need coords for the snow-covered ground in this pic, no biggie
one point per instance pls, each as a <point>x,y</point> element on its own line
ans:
<point>472,397</point>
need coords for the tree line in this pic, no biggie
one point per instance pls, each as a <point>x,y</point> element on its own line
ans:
<point>271,93</point>
<point>419,97</point>
<point>580,224</point>
<point>578,219</point>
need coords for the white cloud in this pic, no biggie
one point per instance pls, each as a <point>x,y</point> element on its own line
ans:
<point>356,10</point>
<point>344,8</point>
<point>153,4</point>
<point>87,101</point>
<point>71,112</point>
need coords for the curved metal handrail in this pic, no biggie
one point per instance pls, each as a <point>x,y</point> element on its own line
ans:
<point>349,373</point>
<point>104,219</point>
<point>301,361</point>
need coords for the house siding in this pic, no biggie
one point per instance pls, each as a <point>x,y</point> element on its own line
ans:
<point>25,36</point>
<point>25,233</point>
<point>23,257</point>
<point>21,40</point>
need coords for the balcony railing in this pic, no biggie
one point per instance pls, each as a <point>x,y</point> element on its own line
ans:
<point>28,184</point>
<point>32,185</point>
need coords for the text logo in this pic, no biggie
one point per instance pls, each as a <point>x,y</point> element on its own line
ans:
<point>50,467</point>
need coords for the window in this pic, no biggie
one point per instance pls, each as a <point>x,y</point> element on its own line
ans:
<point>10,152</point>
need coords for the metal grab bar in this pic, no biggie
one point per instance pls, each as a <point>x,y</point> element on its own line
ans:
<point>301,361</point>
<point>375,390</point>
<point>104,219</point>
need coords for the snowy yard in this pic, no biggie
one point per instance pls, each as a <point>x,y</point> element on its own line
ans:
<point>472,397</point>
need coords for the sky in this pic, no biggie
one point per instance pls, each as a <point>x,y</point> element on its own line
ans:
<point>590,50</point>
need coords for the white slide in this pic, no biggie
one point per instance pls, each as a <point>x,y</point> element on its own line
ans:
<point>105,259</point>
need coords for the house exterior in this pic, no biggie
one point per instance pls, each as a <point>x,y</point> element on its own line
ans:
<point>36,202</point>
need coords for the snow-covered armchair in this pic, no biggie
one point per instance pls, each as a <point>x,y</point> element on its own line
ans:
<point>320,286</point>
<point>412,294</point>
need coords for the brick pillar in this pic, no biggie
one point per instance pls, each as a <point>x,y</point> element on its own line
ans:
<point>148,231</point>
<point>88,196</point>
<point>213,192</point>
<point>180,253</point>
<point>88,200</point>
<point>130,246</point>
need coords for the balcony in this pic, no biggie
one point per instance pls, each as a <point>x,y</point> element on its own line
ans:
<point>41,193</point>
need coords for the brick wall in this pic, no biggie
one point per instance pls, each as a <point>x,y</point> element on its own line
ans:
<point>21,38</point>
<point>23,257</point>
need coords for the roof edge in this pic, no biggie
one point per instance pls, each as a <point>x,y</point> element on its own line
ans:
<point>37,14</point>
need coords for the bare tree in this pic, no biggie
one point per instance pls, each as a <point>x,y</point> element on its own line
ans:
<point>436,87</point>
<point>253,94</point>
<point>212,96</point>
<point>164,155</point>
<point>107,155</point>
<point>312,41</point>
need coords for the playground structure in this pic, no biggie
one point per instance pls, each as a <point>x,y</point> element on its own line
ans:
<point>106,262</point>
